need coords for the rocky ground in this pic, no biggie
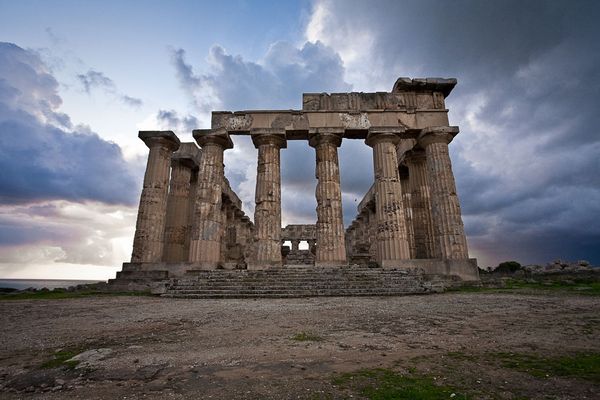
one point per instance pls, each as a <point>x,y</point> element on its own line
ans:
<point>456,345</point>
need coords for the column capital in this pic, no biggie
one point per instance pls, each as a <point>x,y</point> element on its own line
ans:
<point>437,134</point>
<point>274,136</point>
<point>188,154</point>
<point>415,156</point>
<point>219,137</point>
<point>385,134</point>
<point>166,139</point>
<point>320,136</point>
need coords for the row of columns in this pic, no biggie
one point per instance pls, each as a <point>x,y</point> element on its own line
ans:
<point>430,223</point>
<point>401,232</point>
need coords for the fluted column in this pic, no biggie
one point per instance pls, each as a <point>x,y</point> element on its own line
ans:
<point>447,220</point>
<point>331,246</point>
<point>408,213</point>
<point>267,213</point>
<point>183,162</point>
<point>295,244</point>
<point>392,240</point>
<point>205,244</point>
<point>148,242</point>
<point>420,204</point>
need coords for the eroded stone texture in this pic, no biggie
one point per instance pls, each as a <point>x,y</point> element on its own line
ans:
<point>183,163</point>
<point>421,205</point>
<point>205,244</point>
<point>297,233</point>
<point>331,246</point>
<point>447,220</point>
<point>392,240</point>
<point>408,214</point>
<point>267,212</point>
<point>148,242</point>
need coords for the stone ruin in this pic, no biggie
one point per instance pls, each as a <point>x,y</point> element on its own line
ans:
<point>189,218</point>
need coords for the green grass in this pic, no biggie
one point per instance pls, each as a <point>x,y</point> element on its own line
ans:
<point>581,365</point>
<point>583,286</point>
<point>63,294</point>
<point>382,384</point>
<point>60,359</point>
<point>306,337</point>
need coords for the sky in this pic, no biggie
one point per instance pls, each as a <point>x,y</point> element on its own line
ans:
<point>79,79</point>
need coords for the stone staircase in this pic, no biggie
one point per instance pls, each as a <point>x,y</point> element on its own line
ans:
<point>302,281</point>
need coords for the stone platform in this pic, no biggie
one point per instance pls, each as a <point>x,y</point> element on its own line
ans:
<point>304,282</point>
<point>289,281</point>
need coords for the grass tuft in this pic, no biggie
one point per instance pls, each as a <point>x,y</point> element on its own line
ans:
<point>60,359</point>
<point>306,337</point>
<point>384,384</point>
<point>62,294</point>
<point>581,365</point>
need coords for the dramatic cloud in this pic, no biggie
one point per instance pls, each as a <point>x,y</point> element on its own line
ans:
<point>54,177</point>
<point>277,82</point>
<point>526,160</point>
<point>97,80</point>
<point>170,119</point>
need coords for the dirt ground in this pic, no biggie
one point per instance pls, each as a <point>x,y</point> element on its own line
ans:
<point>290,348</point>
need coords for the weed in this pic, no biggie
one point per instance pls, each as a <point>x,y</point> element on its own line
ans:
<point>60,359</point>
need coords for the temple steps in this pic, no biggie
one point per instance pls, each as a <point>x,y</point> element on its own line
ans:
<point>303,282</point>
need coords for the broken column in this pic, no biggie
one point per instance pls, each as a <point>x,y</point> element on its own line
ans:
<point>331,246</point>
<point>183,163</point>
<point>392,241</point>
<point>205,243</point>
<point>420,204</point>
<point>267,213</point>
<point>148,242</point>
<point>446,215</point>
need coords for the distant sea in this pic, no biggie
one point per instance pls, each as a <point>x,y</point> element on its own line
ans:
<point>41,283</point>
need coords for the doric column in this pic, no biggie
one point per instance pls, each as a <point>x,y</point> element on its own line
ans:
<point>148,242</point>
<point>408,214</point>
<point>267,213</point>
<point>177,226</point>
<point>420,204</point>
<point>205,244</point>
<point>295,244</point>
<point>392,241</point>
<point>447,220</point>
<point>331,246</point>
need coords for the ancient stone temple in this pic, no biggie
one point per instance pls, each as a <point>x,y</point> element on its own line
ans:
<point>190,219</point>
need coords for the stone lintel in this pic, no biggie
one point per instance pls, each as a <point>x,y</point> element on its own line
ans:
<point>297,125</point>
<point>437,134</point>
<point>167,139</point>
<point>274,136</point>
<point>384,134</point>
<point>216,136</point>
<point>367,199</point>
<point>404,146</point>
<point>442,85</point>
<point>189,153</point>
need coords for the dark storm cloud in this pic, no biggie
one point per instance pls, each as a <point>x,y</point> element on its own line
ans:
<point>277,83</point>
<point>41,159</point>
<point>527,159</point>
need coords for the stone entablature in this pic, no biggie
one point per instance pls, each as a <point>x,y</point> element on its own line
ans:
<point>409,217</point>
